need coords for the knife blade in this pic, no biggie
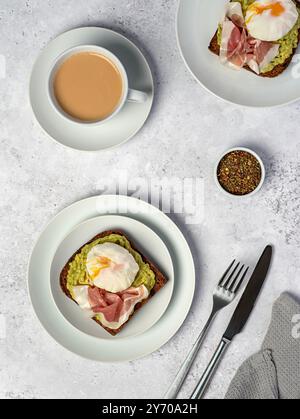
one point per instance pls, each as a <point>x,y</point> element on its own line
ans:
<point>251,293</point>
<point>239,318</point>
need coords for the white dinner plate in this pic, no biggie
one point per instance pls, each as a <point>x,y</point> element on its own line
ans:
<point>84,136</point>
<point>83,344</point>
<point>197,22</point>
<point>146,241</point>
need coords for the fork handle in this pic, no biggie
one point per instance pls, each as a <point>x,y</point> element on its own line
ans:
<point>187,364</point>
<point>210,370</point>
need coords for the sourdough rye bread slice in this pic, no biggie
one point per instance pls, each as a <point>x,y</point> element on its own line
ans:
<point>215,48</point>
<point>160,279</point>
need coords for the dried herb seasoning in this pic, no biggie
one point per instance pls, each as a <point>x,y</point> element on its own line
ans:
<point>239,172</point>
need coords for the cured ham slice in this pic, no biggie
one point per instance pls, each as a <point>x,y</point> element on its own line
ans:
<point>235,14</point>
<point>114,306</point>
<point>262,53</point>
<point>238,48</point>
<point>232,49</point>
<point>113,309</point>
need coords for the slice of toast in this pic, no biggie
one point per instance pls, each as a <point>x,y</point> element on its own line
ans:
<point>215,48</point>
<point>160,279</point>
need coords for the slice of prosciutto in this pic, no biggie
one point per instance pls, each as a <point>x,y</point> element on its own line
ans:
<point>260,54</point>
<point>233,45</point>
<point>238,48</point>
<point>113,309</point>
<point>235,14</point>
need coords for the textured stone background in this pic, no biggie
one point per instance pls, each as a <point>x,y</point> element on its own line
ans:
<point>186,131</point>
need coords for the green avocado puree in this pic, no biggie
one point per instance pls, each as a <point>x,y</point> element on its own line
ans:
<point>286,45</point>
<point>77,274</point>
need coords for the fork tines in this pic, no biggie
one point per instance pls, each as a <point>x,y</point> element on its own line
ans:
<point>234,277</point>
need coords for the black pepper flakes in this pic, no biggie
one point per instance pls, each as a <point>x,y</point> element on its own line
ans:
<point>239,172</point>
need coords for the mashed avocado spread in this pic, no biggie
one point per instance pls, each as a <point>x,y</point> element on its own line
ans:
<point>286,45</point>
<point>77,274</point>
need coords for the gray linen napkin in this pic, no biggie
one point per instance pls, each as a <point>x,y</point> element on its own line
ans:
<point>273,373</point>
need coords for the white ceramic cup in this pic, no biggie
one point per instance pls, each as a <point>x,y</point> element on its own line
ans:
<point>128,95</point>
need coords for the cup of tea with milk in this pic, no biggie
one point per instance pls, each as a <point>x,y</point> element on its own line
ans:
<point>89,85</point>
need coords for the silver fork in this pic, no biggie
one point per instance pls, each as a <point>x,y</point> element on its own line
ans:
<point>224,295</point>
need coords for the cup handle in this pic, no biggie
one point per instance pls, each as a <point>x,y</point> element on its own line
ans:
<point>136,96</point>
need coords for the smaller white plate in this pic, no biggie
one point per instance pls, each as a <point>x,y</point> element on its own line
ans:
<point>115,131</point>
<point>197,22</point>
<point>146,241</point>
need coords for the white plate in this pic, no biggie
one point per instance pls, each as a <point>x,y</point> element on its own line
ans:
<point>197,22</point>
<point>109,350</point>
<point>148,242</point>
<point>115,131</point>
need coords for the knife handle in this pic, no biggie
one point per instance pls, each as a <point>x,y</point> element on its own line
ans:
<point>210,370</point>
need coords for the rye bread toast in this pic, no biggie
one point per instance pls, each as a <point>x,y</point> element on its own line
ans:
<point>215,48</point>
<point>160,279</point>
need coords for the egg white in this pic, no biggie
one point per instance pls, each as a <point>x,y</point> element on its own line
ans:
<point>81,295</point>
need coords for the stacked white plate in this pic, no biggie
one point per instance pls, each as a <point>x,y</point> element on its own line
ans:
<point>157,237</point>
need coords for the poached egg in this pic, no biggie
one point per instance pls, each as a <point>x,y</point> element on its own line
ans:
<point>111,267</point>
<point>271,20</point>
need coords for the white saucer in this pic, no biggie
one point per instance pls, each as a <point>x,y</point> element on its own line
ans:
<point>197,22</point>
<point>91,347</point>
<point>150,245</point>
<point>114,132</point>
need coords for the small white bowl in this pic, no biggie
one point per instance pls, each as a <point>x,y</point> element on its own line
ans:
<point>263,172</point>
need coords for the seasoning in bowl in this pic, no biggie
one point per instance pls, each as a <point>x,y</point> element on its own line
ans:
<point>240,172</point>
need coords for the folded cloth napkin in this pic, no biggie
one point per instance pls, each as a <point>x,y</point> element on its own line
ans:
<point>273,373</point>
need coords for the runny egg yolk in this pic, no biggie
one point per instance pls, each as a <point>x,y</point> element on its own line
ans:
<point>103,262</point>
<point>276,9</point>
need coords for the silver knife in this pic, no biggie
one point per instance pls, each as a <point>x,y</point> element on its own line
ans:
<point>239,318</point>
